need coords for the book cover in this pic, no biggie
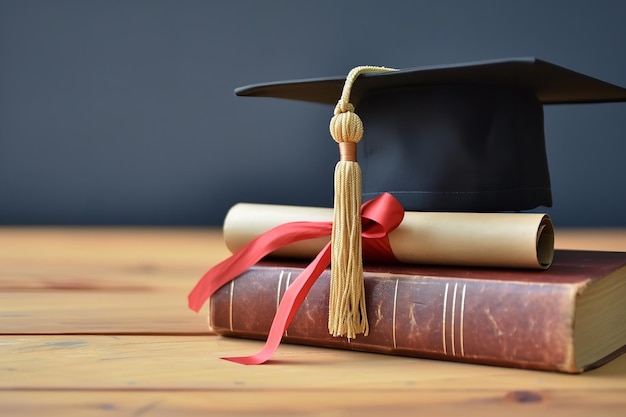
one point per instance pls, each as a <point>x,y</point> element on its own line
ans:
<point>568,318</point>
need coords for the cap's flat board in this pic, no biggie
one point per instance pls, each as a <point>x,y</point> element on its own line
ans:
<point>551,83</point>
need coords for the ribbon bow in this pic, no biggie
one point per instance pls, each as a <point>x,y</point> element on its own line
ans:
<point>379,217</point>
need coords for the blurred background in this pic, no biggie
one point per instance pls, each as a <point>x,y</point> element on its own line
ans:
<point>123,112</point>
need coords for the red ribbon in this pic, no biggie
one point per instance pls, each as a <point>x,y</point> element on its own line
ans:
<point>379,217</point>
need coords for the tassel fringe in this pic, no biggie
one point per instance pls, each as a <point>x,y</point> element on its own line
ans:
<point>347,315</point>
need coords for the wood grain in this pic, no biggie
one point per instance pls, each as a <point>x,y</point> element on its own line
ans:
<point>192,362</point>
<point>103,280</point>
<point>98,312</point>
<point>93,322</point>
<point>593,239</point>
<point>474,402</point>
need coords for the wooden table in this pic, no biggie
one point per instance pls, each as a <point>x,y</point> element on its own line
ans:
<point>94,322</point>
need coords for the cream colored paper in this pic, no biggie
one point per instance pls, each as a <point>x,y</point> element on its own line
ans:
<point>513,240</point>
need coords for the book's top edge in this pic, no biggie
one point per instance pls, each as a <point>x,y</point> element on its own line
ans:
<point>568,267</point>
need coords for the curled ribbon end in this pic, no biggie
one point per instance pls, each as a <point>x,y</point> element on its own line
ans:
<point>194,308</point>
<point>194,301</point>
<point>244,360</point>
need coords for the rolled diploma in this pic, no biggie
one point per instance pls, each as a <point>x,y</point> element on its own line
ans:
<point>511,240</point>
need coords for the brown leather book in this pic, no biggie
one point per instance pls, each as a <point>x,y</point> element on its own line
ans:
<point>569,318</point>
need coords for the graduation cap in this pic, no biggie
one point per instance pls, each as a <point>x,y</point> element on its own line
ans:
<point>464,137</point>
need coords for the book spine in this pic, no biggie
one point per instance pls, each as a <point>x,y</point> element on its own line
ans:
<point>495,322</point>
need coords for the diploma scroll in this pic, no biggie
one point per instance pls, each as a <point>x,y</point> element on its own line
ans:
<point>511,240</point>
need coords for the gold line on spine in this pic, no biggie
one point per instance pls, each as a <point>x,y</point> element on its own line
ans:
<point>443,326</point>
<point>393,319</point>
<point>452,320</point>
<point>461,320</point>
<point>287,283</point>
<point>230,306</point>
<point>278,287</point>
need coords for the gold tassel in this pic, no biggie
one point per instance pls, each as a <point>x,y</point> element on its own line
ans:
<point>347,315</point>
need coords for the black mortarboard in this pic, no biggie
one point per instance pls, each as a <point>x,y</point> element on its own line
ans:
<point>465,137</point>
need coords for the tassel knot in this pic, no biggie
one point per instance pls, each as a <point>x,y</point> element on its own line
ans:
<point>346,126</point>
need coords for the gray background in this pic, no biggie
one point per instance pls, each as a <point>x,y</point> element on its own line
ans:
<point>122,112</point>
